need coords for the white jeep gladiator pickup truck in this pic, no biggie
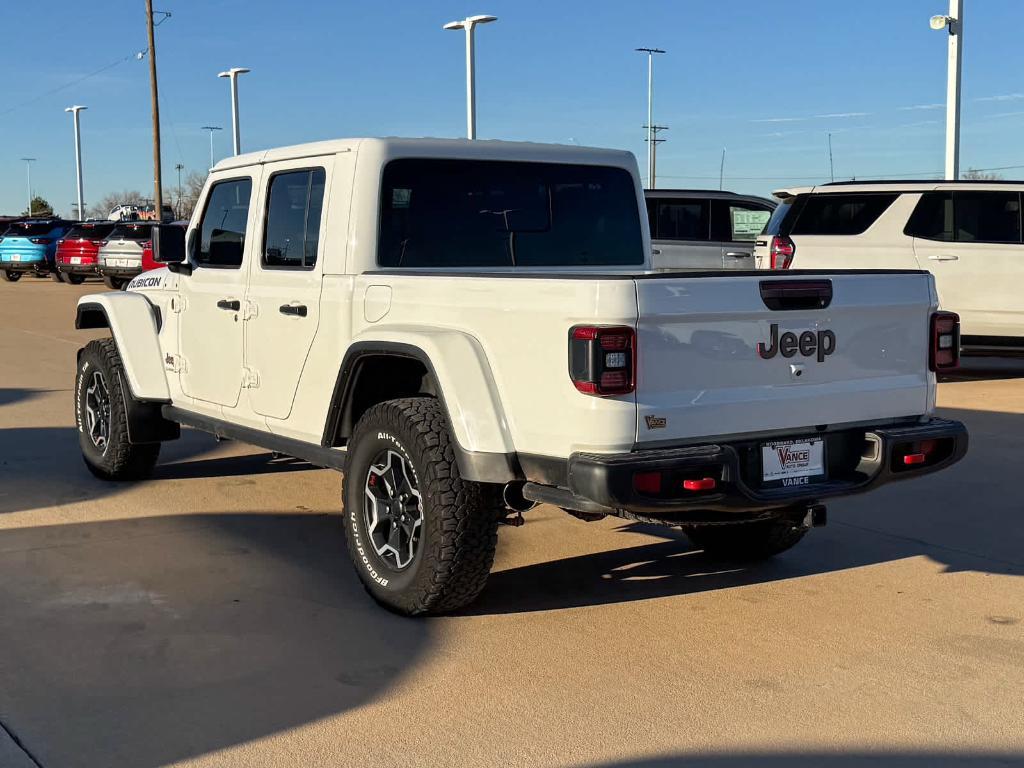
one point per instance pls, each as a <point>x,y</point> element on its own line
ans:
<point>467,328</point>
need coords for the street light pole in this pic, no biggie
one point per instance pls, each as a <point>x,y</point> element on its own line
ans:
<point>232,74</point>
<point>177,212</point>
<point>158,181</point>
<point>78,156</point>
<point>211,129</point>
<point>954,23</point>
<point>469,24</point>
<point>650,112</point>
<point>28,167</point>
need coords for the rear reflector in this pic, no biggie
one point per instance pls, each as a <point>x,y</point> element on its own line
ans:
<point>648,483</point>
<point>602,359</point>
<point>944,348</point>
<point>704,484</point>
<point>914,458</point>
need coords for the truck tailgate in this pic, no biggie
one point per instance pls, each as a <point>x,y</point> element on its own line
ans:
<point>701,372</point>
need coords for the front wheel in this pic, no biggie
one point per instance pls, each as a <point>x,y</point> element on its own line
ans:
<point>102,417</point>
<point>422,539</point>
<point>10,276</point>
<point>758,540</point>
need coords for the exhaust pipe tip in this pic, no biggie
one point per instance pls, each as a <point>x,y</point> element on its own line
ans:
<point>512,495</point>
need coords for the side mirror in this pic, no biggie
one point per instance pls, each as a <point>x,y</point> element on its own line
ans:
<point>168,244</point>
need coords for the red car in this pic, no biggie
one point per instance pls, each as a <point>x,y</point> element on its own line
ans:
<point>78,250</point>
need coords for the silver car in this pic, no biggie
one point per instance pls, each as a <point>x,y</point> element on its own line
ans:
<point>121,254</point>
<point>704,229</point>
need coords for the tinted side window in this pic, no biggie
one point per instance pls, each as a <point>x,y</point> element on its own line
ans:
<point>838,214</point>
<point>292,231</point>
<point>476,213</point>
<point>222,229</point>
<point>967,217</point>
<point>683,220</point>
<point>987,217</point>
<point>775,222</point>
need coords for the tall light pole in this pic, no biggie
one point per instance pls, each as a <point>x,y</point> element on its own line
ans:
<point>954,23</point>
<point>28,167</point>
<point>78,156</point>
<point>650,112</point>
<point>211,129</point>
<point>177,212</point>
<point>469,24</point>
<point>232,74</point>
<point>831,166</point>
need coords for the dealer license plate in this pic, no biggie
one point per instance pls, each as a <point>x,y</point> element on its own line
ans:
<point>787,463</point>
<point>76,259</point>
<point>15,257</point>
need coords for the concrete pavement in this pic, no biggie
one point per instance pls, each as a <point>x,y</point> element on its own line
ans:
<point>209,616</point>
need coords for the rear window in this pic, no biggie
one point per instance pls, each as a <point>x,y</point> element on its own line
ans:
<point>841,214</point>
<point>29,229</point>
<point>679,219</point>
<point>131,232</point>
<point>967,217</point>
<point>90,231</point>
<point>774,224</point>
<point>475,213</point>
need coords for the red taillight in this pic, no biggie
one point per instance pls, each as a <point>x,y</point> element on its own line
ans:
<point>945,341</point>
<point>647,483</point>
<point>782,250</point>
<point>41,240</point>
<point>602,359</point>
<point>146,245</point>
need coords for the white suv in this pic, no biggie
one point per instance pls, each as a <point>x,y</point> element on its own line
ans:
<point>968,234</point>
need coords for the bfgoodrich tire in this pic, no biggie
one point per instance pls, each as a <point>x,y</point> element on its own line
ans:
<point>102,418</point>
<point>421,538</point>
<point>747,541</point>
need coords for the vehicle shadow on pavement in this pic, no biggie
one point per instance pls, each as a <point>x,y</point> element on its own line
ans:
<point>142,642</point>
<point>985,369</point>
<point>837,759</point>
<point>12,395</point>
<point>958,518</point>
<point>43,467</point>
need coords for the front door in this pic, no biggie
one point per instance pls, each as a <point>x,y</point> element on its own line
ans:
<point>285,281</point>
<point>212,317</point>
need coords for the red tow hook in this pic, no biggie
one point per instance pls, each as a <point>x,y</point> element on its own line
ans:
<point>704,484</point>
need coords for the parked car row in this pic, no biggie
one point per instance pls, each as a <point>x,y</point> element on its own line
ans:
<point>72,251</point>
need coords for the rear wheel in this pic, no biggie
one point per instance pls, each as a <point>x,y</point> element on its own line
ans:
<point>102,417</point>
<point>115,283</point>
<point>747,541</point>
<point>57,277</point>
<point>421,538</point>
<point>10,276</point>
<point>74,279</point>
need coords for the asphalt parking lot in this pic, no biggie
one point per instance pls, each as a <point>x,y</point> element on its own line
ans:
<point>210,616</point>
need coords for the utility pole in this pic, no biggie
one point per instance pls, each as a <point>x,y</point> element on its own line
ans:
<point>721,170</point>
<point>28,167</point>
<point>211,129</point>
<point>831,167</point>
<point>177,212</point>
<point>78,156</point>
<point>651,141</point>
<point>157,174</point>
<point>653,132</point>
<point>469,24</point>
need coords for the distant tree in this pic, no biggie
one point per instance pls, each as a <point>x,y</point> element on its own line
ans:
<point>107,203</point>
<point>40,207</point>
<point>191,188</point>
<point>972,174</point>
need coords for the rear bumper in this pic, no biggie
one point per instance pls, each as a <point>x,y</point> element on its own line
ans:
<point>40,266</point>
<point>867,459</point>
<point>126,272</point>
<point>77,269</point>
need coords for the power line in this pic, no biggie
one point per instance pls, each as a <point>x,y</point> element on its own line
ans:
<point>900,175</point>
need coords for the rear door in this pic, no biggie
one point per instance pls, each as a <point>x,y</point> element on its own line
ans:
<point>971,242</point>
<point>701,372</point>
<point>737,223</point>
<point>283,300</point>
<point>681,234</point>
<point>213,295</point>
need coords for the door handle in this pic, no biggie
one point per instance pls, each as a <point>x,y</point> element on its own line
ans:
<point>656,251</point>
<point>738,254</point>
<point>944,257</point>
<point>232,304</point>
<point>298,310</point>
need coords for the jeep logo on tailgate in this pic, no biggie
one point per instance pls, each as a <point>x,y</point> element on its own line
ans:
<point>809,344</point>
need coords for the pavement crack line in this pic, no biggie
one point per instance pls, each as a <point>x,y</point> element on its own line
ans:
<point>20,744</point>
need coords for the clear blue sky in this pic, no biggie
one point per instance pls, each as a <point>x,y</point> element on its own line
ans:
<point>767,81</point>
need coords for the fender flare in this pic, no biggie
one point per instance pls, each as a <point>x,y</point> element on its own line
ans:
<point>134,324</point>
<point>483,446</point>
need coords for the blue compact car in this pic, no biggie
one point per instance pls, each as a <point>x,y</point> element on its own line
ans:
<point>31,246</point>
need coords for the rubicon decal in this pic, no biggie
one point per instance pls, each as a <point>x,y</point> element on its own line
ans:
<point>818,344</point>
